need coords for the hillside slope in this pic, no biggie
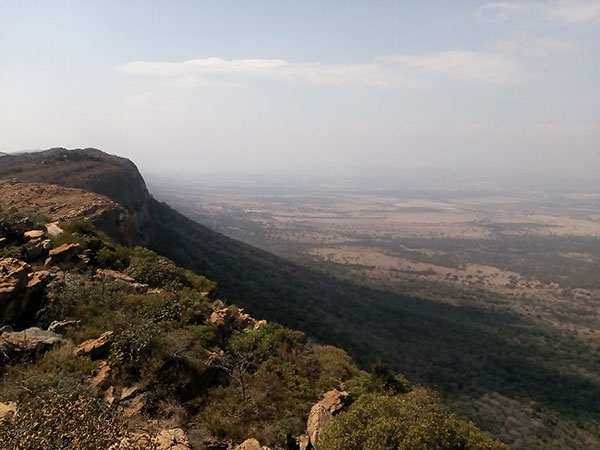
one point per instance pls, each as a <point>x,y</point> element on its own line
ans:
<point>108,347</point>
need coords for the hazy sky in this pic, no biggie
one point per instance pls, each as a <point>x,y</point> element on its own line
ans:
<point>212,86</point>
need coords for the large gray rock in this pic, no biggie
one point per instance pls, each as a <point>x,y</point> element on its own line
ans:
<point>27,344</point>
<point>321,414</point>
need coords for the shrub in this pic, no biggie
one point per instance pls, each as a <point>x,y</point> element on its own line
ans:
<point>13,225</point>
<point>11,251</point>
<point>268,340</point>
<point>407,422</point>
<point>335,367</point>
<point>130,344</point>
<point>60,420</point>
<point>117,258</point>
<point>157,271</point>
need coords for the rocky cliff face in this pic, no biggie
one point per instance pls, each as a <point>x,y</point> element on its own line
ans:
<point>62,204</point>
<point>91,170</point>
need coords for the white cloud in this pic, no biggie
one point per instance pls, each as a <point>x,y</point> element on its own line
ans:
<point>394,71</point>
<point>573,11</point>
<point>275,69</point>
<point>502,11</point>
<point>568,11</point>
<point>465,65</point>
<point>536,46</point>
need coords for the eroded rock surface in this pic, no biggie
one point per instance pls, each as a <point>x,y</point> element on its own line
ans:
<point>65,253</point>
<point>249,444</point>
<point>27,344</point>
<point>95,348</point>
<point>172,439</point>
<point>321,414</point>
<point>21,291</point>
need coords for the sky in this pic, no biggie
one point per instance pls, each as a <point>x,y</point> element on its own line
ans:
<point>257,86</point>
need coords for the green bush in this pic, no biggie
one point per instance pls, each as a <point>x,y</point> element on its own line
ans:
<point>335,367</point>
<point>413,421</point>
<point>13,225</point>
<point>116,258</point>
<point>268,340</point>
<point>11,251</point>
<point>149,268</point>
<point>131,343</point>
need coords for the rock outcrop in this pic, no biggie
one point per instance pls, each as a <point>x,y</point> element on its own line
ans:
<point>101,376</point>
<point>63,254</point>
<point>7,409</point>
<point>53,229</point>
<point>36,248</point>
<point>96,172</point>
<point>321,414</point>
<point>95,348</point>
<point>21,291</point>
<point>33,234</point>
<point>172,439</point>
<point>228,319</point>
<point>249,444</point>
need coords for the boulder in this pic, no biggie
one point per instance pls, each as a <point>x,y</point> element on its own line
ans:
<point>222,318</point>
<point>302,442</point>
<point>47,245</point>
<point>53,229</point>
<point>95,348</point>
<point>172,439</point>
<point>129,392</point>
<point>3,241</point>
<point>29,343</point>
<point>33,235</point>
<point>7,409</point>
<point>134,440</point>
<point>62,254</point>
<point>248,322</point>
<point>249,444</point>
<point>21,291</point>
<point>226,319</point>
<point>321,414</point>
<point>113,275</point>
<point>134,406</point>
<point>13,276</point>
<point>109,395</point>
<point>101,378</point>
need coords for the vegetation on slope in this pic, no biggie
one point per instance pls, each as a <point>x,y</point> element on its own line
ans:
<point>180,358</point>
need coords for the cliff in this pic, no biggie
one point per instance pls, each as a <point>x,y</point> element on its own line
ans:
<point>91,170</point>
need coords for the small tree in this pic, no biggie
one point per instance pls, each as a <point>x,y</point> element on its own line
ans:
<point>236,364</point>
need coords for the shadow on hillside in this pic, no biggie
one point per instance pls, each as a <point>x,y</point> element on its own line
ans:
<point>455,349</point>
